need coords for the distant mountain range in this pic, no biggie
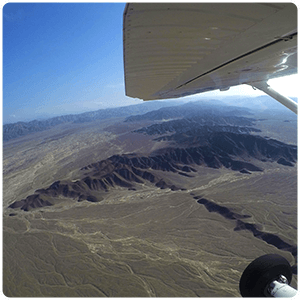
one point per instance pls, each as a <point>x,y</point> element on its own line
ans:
<point>207,109</point>
<point>15,130</point>
<point>154,110</point>
<point>258,103</point>
<point>213,141</point>
<point>151,110</point>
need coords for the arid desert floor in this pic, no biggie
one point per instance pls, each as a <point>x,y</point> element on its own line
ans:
<point>146,240</point>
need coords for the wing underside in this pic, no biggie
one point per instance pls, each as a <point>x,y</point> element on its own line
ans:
<point>173,49</point>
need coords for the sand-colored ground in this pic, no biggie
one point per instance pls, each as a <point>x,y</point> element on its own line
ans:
<point>147,242</point>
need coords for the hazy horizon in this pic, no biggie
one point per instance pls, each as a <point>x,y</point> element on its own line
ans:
<point>233,100</point>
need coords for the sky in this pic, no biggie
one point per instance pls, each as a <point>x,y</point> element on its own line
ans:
<point>63,58</point>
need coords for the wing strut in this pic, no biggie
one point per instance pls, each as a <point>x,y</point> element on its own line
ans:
<point>286,101</point>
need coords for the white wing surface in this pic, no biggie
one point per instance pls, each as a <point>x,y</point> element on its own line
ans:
<point>174,49</point>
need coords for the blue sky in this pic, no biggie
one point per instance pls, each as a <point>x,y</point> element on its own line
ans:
<point>62,58</point>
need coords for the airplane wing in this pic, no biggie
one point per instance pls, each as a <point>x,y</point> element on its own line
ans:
<point>173,49</point>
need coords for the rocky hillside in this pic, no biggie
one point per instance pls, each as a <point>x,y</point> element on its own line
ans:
<point>219,150</point>
<point>255,229</point>
<point>200,136</point>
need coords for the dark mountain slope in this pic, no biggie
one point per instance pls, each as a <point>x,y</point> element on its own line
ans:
<point>195,123</point>
<point>256,229</point>
<point>187,124</point>
<point>221,149</point>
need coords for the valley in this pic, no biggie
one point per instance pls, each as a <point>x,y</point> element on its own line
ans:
<point>171,205</point>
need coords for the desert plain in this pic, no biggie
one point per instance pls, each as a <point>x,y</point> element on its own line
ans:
<point>148,240</point>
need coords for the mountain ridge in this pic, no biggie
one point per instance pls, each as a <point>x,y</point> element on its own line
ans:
<point>191,110</point>
<point>221,150</point>
<point>131,112</point>
<point>15,130</point>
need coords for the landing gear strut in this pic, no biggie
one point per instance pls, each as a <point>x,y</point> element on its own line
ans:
<point>267,276</point>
